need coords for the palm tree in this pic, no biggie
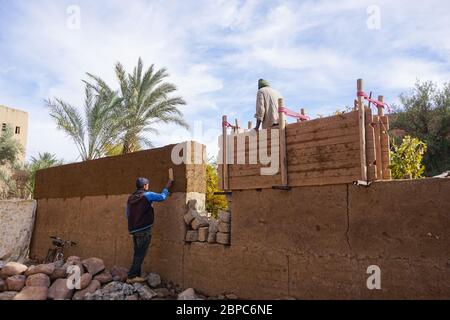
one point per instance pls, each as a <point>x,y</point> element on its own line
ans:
<point>100,125</point>
<point>145,101</point>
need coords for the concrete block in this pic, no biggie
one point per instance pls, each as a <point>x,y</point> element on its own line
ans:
<point>223,238</point>
<point>224,227</point>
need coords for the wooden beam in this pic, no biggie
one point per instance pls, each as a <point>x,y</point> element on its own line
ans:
<point>224,155</point>
<point>283,155</point>
<point>378,129</point>
<point>362,130</point>
<point>250,125</point>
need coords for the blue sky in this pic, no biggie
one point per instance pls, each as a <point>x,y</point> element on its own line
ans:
<point>215,51</point>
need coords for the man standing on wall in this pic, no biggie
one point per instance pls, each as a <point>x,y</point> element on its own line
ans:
<point>266,105</point>
<point>140,217</point>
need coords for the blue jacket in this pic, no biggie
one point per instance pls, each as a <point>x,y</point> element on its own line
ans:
<point>139,209</point>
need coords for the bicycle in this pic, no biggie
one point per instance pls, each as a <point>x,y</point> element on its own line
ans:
<point>57,252</point>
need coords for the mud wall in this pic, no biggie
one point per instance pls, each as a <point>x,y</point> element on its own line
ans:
<point>317,243</point>
<point>308,242</point>
<point>85,202</point>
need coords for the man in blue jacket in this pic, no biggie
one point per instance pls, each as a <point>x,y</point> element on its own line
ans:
<point>140,215</point>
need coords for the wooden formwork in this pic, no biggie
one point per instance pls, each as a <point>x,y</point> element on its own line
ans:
<point>330,150</point>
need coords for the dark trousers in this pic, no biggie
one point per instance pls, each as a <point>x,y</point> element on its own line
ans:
<point>141,241</point>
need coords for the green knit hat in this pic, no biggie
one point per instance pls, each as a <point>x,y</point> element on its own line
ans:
<point>262,83</point>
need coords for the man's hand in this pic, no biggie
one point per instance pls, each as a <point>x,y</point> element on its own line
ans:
<point>169,184</point>
<point>258,124</point>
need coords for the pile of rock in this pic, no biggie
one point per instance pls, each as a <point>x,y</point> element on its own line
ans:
<point>202,228</point>
<point>50,282</point>
<point>53,282</point>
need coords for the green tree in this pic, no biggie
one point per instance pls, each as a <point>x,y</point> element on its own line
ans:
<point>406,159</point>
<point>425,113</point>
<point>213,202</point>
<point>97,129</point>
<point>145,101</point>
<point>10,148</point>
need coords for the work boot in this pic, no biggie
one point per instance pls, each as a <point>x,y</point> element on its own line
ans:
<point>135,280</point>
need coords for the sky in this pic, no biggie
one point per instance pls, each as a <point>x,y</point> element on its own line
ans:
<point>215,51</point>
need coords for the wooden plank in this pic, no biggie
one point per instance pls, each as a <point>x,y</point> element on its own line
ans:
<point>370,146</point>
<point>378,159</point>
<point>321,157</point>
<point>323,150</point>
<point>283,148</point>
<point>326,142</point>
<point>323,134</point>
<point>224,155</point>
<point>362,131</point>
<point>301,177</point>
<point>342,120</point>
<point>385,147</point>
<point>325,165</point>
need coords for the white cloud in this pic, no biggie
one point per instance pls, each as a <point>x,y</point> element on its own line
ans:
<point>312,51</point>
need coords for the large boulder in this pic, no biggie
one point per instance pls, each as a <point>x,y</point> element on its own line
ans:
<point>104,277</point>
<point>41,268</point>
<point>59,273</point>
<point>145,293</point>
<point>203,234</point>
<point>191,236</point>
<point>59,290</point>
<point>213,224</point>
<point>94,265</point>
<point>7,295</point>
<point>162,292</point>
<point>38,280</point>
<point>73,260</point>
<point>224,227</point>
<point>154,280</point>
<point>119,273</point>
<point>3,286</point>
<point>93,286</point>
<point>188,294</point>
<point>223,238</point>
<point>189,216</point>
<point>192,204</point>
<point>212,237</point>
<point>85,280</point>
<point>224,216</point>
<point>13,269</point>
<point>16,283</point>
<point>32,293</point>
<point>199,222</point>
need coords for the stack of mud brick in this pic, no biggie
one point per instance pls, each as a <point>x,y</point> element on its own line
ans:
<point>201,228</point>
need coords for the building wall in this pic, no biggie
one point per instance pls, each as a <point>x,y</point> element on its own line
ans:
<point>311,242</point>
<point>15,118</point>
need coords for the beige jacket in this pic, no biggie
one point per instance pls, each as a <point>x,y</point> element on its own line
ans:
<point>267,106</point>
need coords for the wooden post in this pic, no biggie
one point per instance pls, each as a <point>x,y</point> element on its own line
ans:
<point>224,155</point>
<point>378,128</point>
<point>385,143</point>
<point>283,156</point>
<point>362,131</point>
<point>171,174</point>
<point>250,125</point>
<point>236,123</point>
